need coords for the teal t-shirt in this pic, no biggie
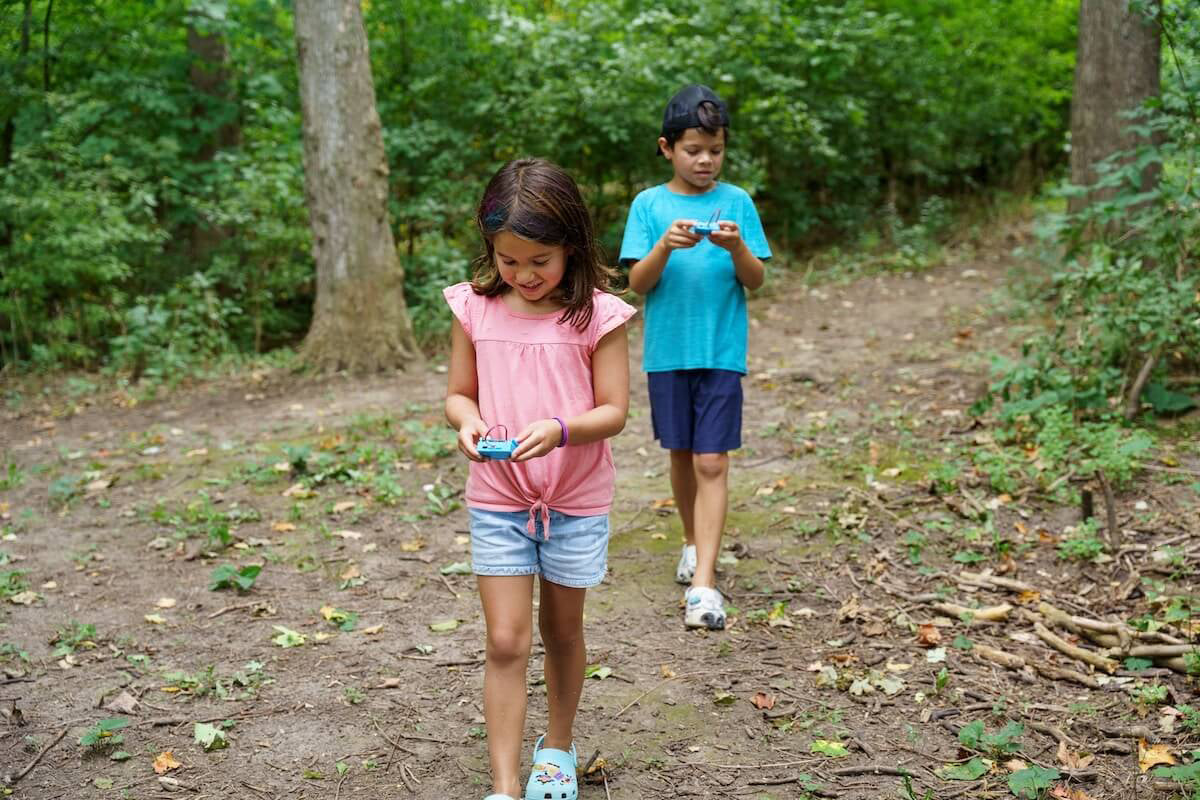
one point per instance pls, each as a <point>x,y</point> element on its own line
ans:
<point>695,317</point>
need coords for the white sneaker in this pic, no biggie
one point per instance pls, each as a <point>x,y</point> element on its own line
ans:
<point>687,565</point>
<point>704,608</point>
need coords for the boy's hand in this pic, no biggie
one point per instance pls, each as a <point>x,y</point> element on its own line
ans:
<point>538,439</point>
<point>728,238</point>
<point>468,435</point>
<point>680,236</point>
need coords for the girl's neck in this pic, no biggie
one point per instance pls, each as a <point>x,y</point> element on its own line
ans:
<point>550,304</point>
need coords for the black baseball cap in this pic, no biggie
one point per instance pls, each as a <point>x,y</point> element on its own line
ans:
<point>682,109</point>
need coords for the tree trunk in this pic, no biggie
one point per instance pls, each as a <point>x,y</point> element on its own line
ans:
<point>360,321</point>
<point>1116,69</point>
<point>211,79</point>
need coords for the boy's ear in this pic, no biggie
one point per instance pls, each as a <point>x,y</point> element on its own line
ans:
<point>664,147</point>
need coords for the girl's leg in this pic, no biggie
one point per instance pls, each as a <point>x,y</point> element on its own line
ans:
<point>560,619</point>
<point>711,476</point>
<point>508,612</point>
<point>683,486</point>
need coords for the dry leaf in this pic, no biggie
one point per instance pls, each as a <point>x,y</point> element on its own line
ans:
<point>666,671</point>
<point>1151,755</point>
<point>763,701</point>
<point>668,502</point>
<point>348,534</point>
<point>1064,793</point>
<point>1029,597</point>
<point>166,602</point>
<point>344,505</point>
<point>1072,760</point>
<point>282,527</point>
<point>393,683</point>
<point>124,703</point>
<point>928,635</point>
<point>351,572</point>
<point>372,630</point>
<point>849,609</point>
<point>1015,765</point>
<point>154,619</point>
<point>412,545</point>
<point>165,762</point>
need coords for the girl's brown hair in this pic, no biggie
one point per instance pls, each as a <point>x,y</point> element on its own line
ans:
<point>539,201</point>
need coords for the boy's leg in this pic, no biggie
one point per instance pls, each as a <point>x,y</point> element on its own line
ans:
<point>683,487</point>
<point>508,611</point>
<point>560,620</point>
<point>711,471</point>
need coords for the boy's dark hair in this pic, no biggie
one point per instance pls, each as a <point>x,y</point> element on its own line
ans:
<point>539,201</point>
<point>694,106</point>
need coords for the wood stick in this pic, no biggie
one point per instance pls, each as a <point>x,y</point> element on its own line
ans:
<point>1009,660</point>
<point>1064,674</point>
<point>1157,650</point>
<point>985,614</point>
<point>979,579</point>
<point>1078,653</point>
<point>29,767</point>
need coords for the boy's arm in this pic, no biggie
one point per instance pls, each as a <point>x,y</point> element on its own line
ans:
<point>748,268</point>
<point>644,275</point>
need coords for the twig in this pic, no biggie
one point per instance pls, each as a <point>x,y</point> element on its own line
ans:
<point>1078,653</point>
<point>29,767</point>
<point>395,745</point>
<point>660,684</point>
<point>1004,659</point>
<point>873,769</point>
<point>986,614</point>
<point>449,588</point>
<point>994,581</point>
<point>1133,402</point>
<point>337,794</point>
<point>1110,508</point>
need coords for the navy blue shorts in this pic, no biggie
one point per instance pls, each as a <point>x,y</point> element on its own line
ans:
<point>697,409</point>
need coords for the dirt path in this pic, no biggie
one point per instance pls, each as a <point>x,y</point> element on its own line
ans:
<point>857,396</point>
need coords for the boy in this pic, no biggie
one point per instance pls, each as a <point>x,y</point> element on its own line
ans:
<point>694,276</point>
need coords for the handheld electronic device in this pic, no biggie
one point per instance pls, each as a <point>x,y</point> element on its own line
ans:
<point>711,226</point>
<point>498,449</point>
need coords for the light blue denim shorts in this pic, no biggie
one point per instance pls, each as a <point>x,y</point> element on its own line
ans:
<point>575,555</point>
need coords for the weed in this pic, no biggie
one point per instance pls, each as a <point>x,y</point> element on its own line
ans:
<point>72,637</point>
<point>12,583</point>
<point>102,733</point>
<point>1082,543</point>
<point>354,695</point>
<point>12,477</point>
<point>227,576</point>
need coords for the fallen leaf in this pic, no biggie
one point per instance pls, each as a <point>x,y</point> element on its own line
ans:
<point>154,619</point>
<point>1151,755</point>
<point>445,626</point>
<point>344,534</point>
<point>372,630</point>
<point>928,635</point>
<point>763,701</point>
<point>164,762</point>
<point>828,748</point>
<point>849,609</point>
<point>1063,792</point>
<point>412,545</point>
<point>1072,760</point>
<point>282,527</point>
<point>299,491</point>
<point>166,602</point>
<point>666,671</point>
<point>723,698</point>
<point>350,572</point>
<point>124,703</point>
<point>393,683</point>
<point>1015,765</point>
<point>26,598</point>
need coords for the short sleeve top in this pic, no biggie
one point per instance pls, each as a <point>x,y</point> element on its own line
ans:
<point>696,313</point>
<point>531,367</point>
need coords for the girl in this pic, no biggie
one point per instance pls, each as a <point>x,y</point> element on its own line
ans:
<point>537,348</point>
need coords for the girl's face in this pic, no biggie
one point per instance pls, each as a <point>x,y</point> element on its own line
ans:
<point>533,269</point>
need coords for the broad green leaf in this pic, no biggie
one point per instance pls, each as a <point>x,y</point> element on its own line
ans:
<point>829,748</point>
<point>445,626</point>
<point>457,568</point>
<point>288,637</point>
<point>1031,782</point>
<point>969,771</point>
<point>597,671</point>
<point>210,737</point>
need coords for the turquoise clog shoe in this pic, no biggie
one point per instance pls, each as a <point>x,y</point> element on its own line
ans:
<point>553,775</point>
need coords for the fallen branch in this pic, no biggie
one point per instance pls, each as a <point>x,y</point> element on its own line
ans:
<point>1064,674</point>
<point>1077,653</point>
<point>985,614</point>
<point>1004,659</point>
<point>29,767</point>
<point>995,582</point>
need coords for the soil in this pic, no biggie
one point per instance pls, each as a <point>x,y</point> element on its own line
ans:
<point>857,396</point>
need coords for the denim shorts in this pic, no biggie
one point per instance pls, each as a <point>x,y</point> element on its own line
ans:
<point>575,555</point>
<point>696,409</point>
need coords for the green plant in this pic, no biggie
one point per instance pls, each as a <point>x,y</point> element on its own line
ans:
<point>12,583</point>
<point>227,576</point>
<point>1082,543</point>
<point>102,733</point>
<point>12,477</point>
<point>1007,740</point>
<point>354,695</point>
<point>72,637</point>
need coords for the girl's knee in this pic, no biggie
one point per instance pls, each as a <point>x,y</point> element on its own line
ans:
<point>509,645</point>
<point>710,466</point>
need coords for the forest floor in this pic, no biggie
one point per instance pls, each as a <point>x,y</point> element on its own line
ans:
<point>352,667</point>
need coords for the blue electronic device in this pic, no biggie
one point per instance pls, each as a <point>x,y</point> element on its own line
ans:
<point>711,226</point>
<point>498,449</point>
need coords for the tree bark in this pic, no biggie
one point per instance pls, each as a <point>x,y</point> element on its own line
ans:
<point>360,321</point>
<point>211,78</point>
<point>1116,69</point>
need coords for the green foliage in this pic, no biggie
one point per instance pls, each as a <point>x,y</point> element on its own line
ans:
<point>1007,740</point>
<point>227,576</point>
<point>1081,544</point>
<point>148,226</point>
<point>102,733</point>
<point>1031,782</point>
<point>72,637</point>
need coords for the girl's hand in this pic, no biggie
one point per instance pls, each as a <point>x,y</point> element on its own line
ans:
<point>728,238</point>
<point>680,236</point>
<point>538,439</point>
<point>469,434</point>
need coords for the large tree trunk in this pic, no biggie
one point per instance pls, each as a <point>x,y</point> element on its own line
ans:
<point>360,321</point>
<point>1116,69</point>
<point>211,77</point>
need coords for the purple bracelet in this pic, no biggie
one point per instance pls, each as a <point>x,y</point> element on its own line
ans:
<point>564,430</point>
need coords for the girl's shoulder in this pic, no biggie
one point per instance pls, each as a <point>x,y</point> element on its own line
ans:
<point>465,303</point>
<point>608,313</point>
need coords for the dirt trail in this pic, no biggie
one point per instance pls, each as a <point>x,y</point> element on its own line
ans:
<point>874,375</point>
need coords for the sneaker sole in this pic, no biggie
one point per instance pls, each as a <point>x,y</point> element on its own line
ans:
<point>707,620</point>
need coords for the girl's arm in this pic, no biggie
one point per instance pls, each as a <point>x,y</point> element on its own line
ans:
<point>610,383</point>
<point>462,393</point>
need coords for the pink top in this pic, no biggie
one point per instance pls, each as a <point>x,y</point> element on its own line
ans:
<point>529,367</point>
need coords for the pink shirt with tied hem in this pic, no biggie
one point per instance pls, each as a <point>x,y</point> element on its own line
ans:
<point>530,367</point>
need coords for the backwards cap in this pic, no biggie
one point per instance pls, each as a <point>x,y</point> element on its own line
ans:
<point>682,109</point>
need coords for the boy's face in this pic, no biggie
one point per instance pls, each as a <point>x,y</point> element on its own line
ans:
<point>697,157</point>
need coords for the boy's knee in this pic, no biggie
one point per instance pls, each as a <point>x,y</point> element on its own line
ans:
<point>509,645</point>
<point>710,466</point>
